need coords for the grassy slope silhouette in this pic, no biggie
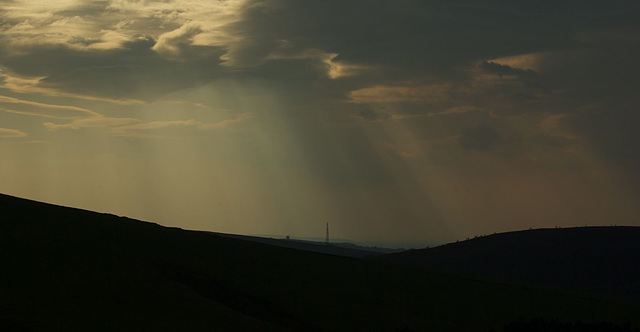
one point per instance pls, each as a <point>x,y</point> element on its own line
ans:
<point>69,269</point>
<point>595,259</point>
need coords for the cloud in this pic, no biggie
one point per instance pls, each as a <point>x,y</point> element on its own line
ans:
<point>226,123</point>
<point>503,70</point>
<point>419,39</point>
<point>155,125</point>
<point>129,75</point>
<point>339,69</point>
<point>104,25</point>
<point>12,133</point>
<point>106,50</point>
<point>132,127</point>
<point>552,122</point>
<point>141,129</point>
<point>46,110</point>
<point>481,138</point>
<point>521,61</point>
<point>395,94</point>
<point>82,32</point>
<point>416,37</point>
<point>457,110</point>
<point>174,44</point>
<point>81,117</point>
<point>94,122</point>
<point>40,85</point>
<point>383,114</point>
<point>369,114</point>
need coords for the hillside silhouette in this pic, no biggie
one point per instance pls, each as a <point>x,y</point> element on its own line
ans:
<point>67,269</point>
<point>594,259</point>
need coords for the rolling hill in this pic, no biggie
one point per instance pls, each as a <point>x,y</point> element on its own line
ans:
<point>67,269</point>
<point>595,259</point>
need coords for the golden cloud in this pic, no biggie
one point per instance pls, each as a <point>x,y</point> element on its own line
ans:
<point>33,85</point>
<point>11,133</point>
<point>394,94</point>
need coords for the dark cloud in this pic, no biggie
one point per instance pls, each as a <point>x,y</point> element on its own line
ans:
<point>133,71</point>
<point>408,41</point>
<point>82,40</point>
<point>501,70</point>
<point>370,115</point>
<point>588,56</point>
<point>482,138</point>
<point>415,36</point>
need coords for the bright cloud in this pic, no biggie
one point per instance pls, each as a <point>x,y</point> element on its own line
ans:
<point>11,133</point>
<point>35,85</point>
<point>339,69</point>
<point>529,61</point>
<point>106,25</point>
<point>172,44</point>
<point>393,94</point>
<point>95,122</point>
<point>46,110</point>
<point>140,129</point>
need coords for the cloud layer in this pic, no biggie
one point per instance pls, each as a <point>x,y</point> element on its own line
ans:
<point>445,118</point>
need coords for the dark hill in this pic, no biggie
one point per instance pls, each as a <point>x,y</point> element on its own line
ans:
<point>66,269</point>
<point>597,259</point>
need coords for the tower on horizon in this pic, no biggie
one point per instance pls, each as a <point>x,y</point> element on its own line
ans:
<point>326,241</point>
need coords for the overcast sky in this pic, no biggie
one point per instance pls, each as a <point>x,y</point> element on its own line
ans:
<point>405,123</point>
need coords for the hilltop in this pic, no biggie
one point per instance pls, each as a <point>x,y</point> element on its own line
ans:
<point>595,259</point>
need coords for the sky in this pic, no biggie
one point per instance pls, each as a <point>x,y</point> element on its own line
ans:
<point>400,123</point>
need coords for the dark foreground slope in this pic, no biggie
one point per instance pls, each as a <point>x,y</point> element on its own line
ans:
<point>72,270</point>
<point>596,259</point>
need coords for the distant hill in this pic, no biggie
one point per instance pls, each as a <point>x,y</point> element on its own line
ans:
<point>339,249</point>
<point>597,259</point>
<point>67,269</point>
